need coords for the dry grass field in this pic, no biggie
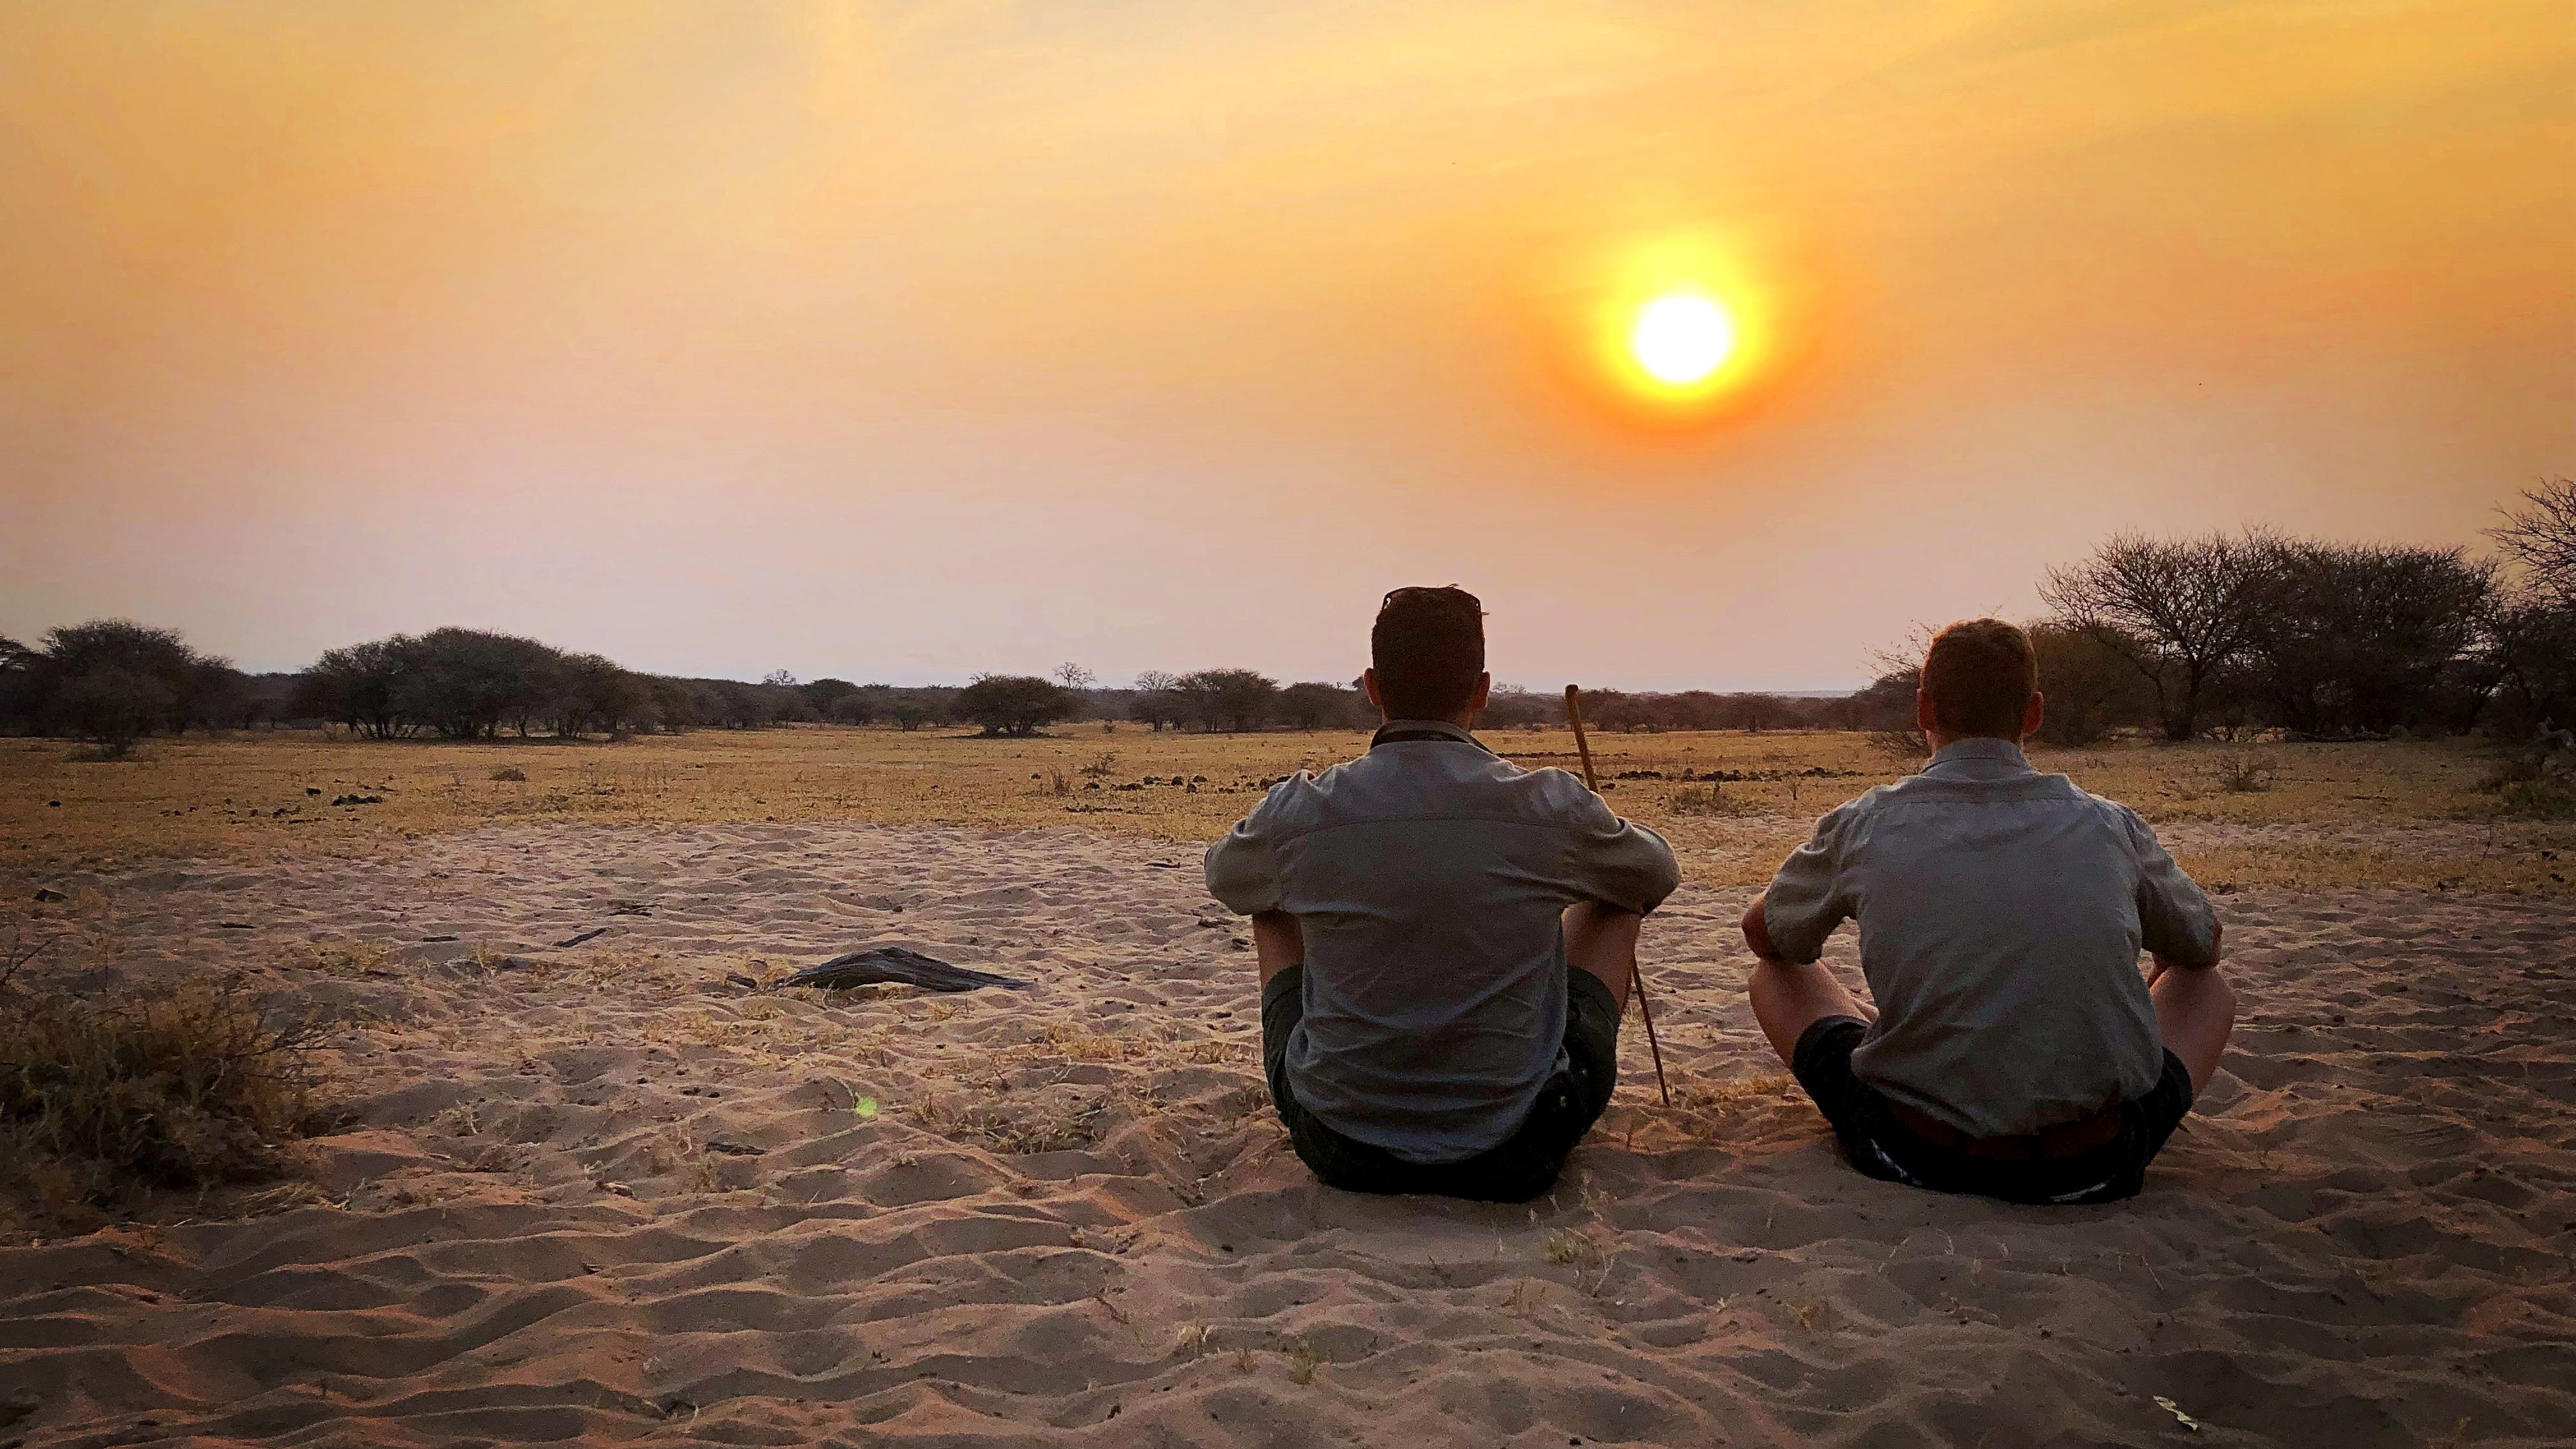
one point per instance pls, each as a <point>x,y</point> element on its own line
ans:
<point>2396,814</point>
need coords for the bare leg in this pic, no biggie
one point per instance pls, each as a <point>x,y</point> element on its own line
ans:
<point>1277,944</point>
<point>1602,941</point>
<point>1787,999</point>
<point>2195,1011</point>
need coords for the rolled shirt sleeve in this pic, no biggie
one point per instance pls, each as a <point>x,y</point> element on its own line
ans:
<point>1243,868</point>
<point>2175,920</point>
<point>1811,894</point>
<point>1619,862</point>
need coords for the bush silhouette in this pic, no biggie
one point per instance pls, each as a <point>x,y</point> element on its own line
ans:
<point>113,707</point>
<point>1016,705</point>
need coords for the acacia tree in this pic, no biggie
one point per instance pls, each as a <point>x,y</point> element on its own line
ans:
<point>1312,706</point>
<point>1234,700</point>
<point>1016,705</point>
<point>2090,687</point>
<point>355,686</point>
<point>17,682</point>
<point>113,707</point>
<point>2180,611</point>
<point>2368,637</point>
<point>2532,630</point>
<point>2542,538</point>
<point>1157,699</point>
<point>465,683</point>
<point>190,688</point>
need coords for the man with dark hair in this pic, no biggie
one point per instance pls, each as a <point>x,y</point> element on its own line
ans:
<point>1444,939</point>
<point>2015,1051</point>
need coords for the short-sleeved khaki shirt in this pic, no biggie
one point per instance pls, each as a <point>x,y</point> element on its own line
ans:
<point>2001,913</point>
<point>1427,877</point>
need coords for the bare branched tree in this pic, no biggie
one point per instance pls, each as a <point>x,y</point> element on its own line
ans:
<point>2542,538</point>
<point>2179,610</point>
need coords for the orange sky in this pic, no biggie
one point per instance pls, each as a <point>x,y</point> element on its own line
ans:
<point>902,342</point>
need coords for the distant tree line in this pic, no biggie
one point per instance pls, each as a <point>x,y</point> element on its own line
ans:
<point>2254,632</point>
<point>2180,638</point>
<point>114,681</point>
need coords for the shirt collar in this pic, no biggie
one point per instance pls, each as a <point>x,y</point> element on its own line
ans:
<point>1405,731</point>
<point>1979,757</point>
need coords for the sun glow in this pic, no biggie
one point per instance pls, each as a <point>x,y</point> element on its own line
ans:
<point>1682,338</point>
<point>1678,332</point>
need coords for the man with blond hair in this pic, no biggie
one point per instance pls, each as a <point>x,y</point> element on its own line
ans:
<point>2015,1049</point>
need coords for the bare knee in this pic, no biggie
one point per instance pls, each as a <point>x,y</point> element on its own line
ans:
<point>1787,999</point>
<point>1278,943</point>
<point>1601,941</point>
<point>2196,1014</point>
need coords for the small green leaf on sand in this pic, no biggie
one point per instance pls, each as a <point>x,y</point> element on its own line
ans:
<point>864,1106</point>
<point>2186,1420</point>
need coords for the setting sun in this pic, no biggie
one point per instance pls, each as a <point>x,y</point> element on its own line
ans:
<point>1682,338</point>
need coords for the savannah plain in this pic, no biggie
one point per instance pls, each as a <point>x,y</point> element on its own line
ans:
<point>577,1168</point>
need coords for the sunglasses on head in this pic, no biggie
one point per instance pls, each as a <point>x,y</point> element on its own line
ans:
<point>1418,590</point>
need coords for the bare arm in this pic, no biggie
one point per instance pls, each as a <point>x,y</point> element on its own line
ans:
<point>1757,932</point>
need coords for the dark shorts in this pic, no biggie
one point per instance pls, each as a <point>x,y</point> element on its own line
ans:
<point>1884,1148</point>
<point>1520,1168</point>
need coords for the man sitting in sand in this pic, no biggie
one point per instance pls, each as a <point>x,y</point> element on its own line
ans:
<point>1444,939</point>
<point>2016,1051</point>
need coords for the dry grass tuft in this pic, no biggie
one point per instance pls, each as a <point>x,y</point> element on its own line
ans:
<point>337,958</point>
<point>104,1102</point>
<point>1074,1044</point>
<point>1056,1122</point>
<point>2246,774</point>
<point>1709,799</point>
<point>1565,1245</point>
<point>1734,1092</point>
<point>2530,785</point>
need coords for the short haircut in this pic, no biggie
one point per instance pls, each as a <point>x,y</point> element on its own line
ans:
<point>1429,651</point>
<point>1980,675</point>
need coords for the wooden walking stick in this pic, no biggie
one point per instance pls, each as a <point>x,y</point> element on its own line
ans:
<point>1636,978</point>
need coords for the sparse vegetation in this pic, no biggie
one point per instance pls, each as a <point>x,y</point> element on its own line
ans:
<point>1567,1246</point>
<point>103,1102</point>
<point>2532,782</point>
<point>2240,773</point>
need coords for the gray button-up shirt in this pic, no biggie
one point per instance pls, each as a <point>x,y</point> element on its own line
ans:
<point>2001,912</point>
<point>1427,877</point>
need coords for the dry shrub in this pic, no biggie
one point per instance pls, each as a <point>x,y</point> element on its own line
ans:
<point>2547,798</point>
<point>1710,799</point>
<point>2245,774</point>
<point>337,958</point>
<point>1903,744</point>
<point>2530,784</point>
<point>511,774</point>
<point>104,1101</point>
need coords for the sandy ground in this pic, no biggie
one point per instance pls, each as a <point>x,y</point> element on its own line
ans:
<point>601,1191</point>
